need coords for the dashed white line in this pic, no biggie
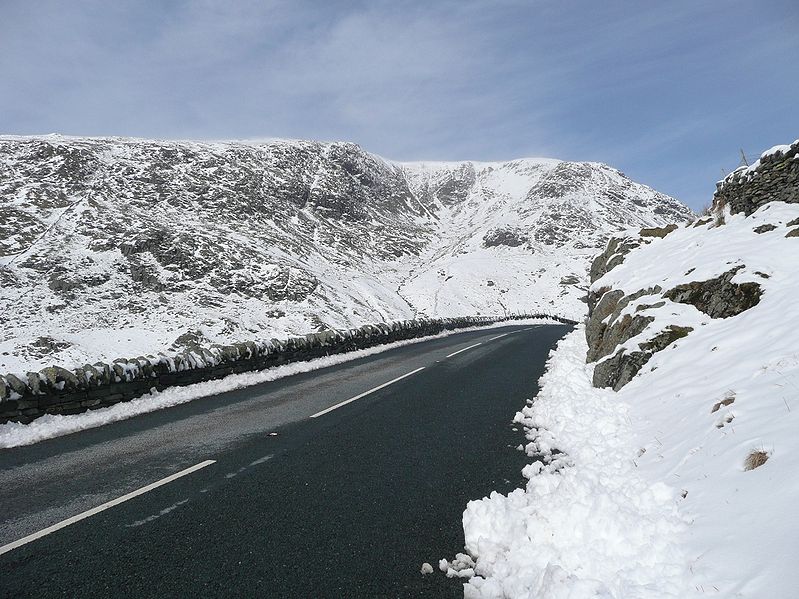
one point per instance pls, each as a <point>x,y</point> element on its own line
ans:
<point>499,336</point>
<point>365,393</point>
<point>455,353</point>
<point>103,507</point>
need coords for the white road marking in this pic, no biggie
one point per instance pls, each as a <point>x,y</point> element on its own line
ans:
<point>163,512</point>
<point>455,353</point>
<point>266,458</point>
<point>499,336</point>
<point>365,393</point>
<point>103,507</point>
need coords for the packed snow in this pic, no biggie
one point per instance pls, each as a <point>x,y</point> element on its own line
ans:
<point>649,492</point>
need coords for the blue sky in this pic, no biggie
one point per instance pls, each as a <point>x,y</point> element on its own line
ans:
<point>665,91</point>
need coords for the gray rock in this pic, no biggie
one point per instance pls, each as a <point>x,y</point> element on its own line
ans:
<point>569,280</point>
<point>595,327</point>
<point>764,228</point>
<point>507,236</point>
<point>718,298</point>
<point>17,385</point>
<point>618,370</point>
<point>606,328</point>
<point>104,372</point>
<point>665,338</point>
<point>34,382</point>
<point>59,378</point>
<point>614,254</point>
<point>658,231</point>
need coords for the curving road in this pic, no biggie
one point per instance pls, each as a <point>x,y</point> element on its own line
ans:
<point>335,483</point>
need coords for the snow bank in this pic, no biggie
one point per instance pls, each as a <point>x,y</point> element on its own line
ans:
<point>587,524</point>
<point>651,495</point>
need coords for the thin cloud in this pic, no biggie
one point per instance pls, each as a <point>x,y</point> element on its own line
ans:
<point>657,89</point>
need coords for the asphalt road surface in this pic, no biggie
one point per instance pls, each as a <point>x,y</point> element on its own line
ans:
<point>268,492</point>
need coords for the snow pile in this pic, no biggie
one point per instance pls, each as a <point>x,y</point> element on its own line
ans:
<point>654,494</point>
<point>587,525</point>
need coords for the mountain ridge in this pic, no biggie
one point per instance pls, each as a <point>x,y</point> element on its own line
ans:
<point>150,240</point>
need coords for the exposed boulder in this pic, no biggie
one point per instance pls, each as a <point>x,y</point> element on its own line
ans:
<point>606,328</point>
<point>718,297</point>
<point>616,250</point>
<point>569,280</point>
<point>507,236</point>
<point>621,368</point>
<point>59,378</point>
<point>660,232</point>
<point>764,228</point>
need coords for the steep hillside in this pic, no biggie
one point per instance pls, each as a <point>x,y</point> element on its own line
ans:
<point>119,247</point>
<point>666,427</point>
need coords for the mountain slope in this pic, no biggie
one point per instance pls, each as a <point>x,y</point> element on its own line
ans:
<point>115,246</point>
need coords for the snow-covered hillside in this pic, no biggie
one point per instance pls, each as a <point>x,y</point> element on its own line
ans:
<point>121,247</point>
<point>683,482</point>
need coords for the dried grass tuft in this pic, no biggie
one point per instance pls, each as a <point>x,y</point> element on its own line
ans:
<point>755,459</point>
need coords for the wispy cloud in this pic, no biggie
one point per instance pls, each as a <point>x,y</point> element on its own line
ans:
<point>655,88</point>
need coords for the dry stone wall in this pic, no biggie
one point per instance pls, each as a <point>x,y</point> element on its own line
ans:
<point>773,178</point>
<point>57,390</point>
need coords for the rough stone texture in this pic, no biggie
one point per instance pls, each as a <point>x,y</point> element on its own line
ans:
<point>616,250</point>
<point>605,329</point>
<point>658,231</point>
<point>773,178</point>
<point>764,228</point>
<point>507,236</point>
<point>718,298</point>
<point>702,221</point>
<point>608,328</point>
<point>621,368</point>
<point>599,310</point>
<point>56,390</point>
<point>569,280</point>
<point>793,233</point>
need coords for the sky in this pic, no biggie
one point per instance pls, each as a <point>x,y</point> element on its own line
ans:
<point>666,91</point>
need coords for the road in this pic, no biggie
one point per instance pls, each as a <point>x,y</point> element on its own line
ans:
<point>348,503</point>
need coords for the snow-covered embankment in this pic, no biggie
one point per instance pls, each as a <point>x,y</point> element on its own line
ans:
<point>681,482</point>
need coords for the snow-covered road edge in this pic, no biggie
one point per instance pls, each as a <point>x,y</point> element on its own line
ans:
<point>586,525</point>
<point>15,434</point>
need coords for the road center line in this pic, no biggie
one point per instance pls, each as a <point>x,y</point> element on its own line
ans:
<point>455,353</point>
<point>103,507</point>
<point>499,336</point>
<point>365,393</point>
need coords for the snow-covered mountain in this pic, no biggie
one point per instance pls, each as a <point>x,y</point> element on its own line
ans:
<point>117,247</point>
